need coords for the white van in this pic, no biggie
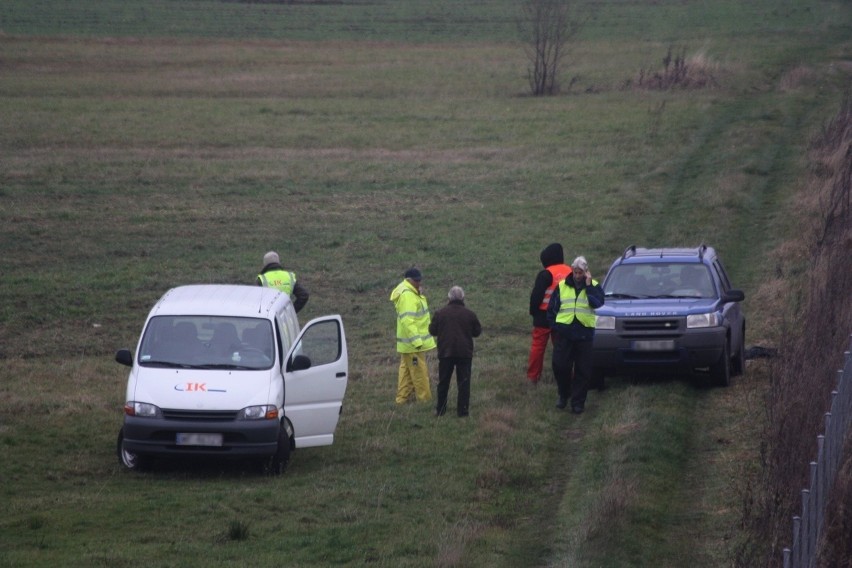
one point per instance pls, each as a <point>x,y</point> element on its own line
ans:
<point>224,371</point>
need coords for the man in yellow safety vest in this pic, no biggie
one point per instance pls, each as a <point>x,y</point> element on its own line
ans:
<point>571,314</point>
<point>274,276</point>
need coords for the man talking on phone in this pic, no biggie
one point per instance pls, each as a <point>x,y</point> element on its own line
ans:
<point>571,314</point>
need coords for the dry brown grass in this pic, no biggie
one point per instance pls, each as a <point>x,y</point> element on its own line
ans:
<point>678,71</point>
<point>834,544</point>
<point>796,77</point>
<point>810,292</point>
<point>607,514</point>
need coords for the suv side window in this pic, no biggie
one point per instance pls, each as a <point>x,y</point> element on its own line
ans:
<point>723,276</point>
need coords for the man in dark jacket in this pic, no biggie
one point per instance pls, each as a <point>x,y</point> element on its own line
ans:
<point>546,281</point>
<point>454,326</point>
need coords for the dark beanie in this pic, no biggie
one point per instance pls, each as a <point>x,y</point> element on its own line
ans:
<point>413,274</point>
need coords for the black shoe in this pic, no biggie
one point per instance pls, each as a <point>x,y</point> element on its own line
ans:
<point>561,403</point>
<point>463,415</point>
<point>577,409</point>
<point>600,387</point>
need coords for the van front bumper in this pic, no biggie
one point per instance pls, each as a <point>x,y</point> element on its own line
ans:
<point>239,438</point>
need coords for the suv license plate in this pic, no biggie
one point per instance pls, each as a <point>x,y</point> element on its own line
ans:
<point>658,345</point>
<point>183,439</point>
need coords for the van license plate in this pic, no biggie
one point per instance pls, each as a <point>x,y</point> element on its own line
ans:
<point>184,439</point>
<point>658,345</point>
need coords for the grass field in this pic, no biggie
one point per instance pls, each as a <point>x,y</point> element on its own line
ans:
<point>153,144</point>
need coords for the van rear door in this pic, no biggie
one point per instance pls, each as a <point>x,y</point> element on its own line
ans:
<point>313,396</point>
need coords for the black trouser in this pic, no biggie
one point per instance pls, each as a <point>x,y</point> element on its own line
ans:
<point>572,367</point>
<point>462,366</point>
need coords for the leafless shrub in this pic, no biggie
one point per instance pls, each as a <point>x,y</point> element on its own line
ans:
<point>810,349</point>
<point>237,530</point>
<point>546,27</point>
<point>678,72</point>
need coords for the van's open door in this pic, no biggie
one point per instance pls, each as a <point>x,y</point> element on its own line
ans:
<point>313,396</point>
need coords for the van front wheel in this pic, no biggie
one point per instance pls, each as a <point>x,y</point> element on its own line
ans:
<point>128,459</point>
<point>277,464</point>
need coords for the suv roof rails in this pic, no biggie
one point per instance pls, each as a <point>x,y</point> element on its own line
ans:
<point>700,251</point>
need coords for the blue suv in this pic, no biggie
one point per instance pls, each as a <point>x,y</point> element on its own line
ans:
<point>670,310</point>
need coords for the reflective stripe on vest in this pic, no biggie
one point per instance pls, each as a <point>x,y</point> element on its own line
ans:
<point>574,306</point>
<point>559,272</point>
<point>280,279</point>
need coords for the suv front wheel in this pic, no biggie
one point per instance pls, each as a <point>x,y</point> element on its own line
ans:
<point>738,362</point>
<point>720,372</point>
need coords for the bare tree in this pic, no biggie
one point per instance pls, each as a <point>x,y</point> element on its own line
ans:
<point>546,27</point>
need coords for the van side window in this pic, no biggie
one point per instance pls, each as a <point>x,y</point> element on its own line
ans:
<point>321,343</point>
<point>287,331</point>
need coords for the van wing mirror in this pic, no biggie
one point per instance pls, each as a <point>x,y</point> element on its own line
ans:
<point>299,363</point>
<point>124,357</point>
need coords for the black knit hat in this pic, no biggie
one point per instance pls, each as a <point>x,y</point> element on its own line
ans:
<point>413,274</point>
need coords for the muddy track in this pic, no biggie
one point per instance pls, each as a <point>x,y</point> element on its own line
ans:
<point>735,206</point>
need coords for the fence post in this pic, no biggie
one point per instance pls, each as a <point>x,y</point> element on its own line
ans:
<point>797,541</point>
<point>822,473</point>
<point>806,528</point>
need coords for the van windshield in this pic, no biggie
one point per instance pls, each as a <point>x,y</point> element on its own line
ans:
<point>208,342</point>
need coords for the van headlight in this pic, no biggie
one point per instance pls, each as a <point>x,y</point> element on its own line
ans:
<point>702,320</point>
<point>262,412</point>
<point>142,409</point>
<point>605,322</point>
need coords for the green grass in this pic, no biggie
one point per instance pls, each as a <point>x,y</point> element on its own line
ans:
<point>356,144</point>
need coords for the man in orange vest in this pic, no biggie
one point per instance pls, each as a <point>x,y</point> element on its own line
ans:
<point>555,271</point>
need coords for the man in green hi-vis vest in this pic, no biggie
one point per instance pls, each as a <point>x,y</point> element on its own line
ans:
<point>571,313</point>
<point>274,276</point>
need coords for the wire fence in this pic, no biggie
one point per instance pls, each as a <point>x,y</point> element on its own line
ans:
<point>807,527</point>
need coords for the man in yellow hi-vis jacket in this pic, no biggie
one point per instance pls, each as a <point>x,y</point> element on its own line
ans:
<point>571,313</point>
<point>412,338</point>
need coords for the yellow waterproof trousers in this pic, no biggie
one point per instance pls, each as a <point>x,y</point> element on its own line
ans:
<point>413,377</point>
